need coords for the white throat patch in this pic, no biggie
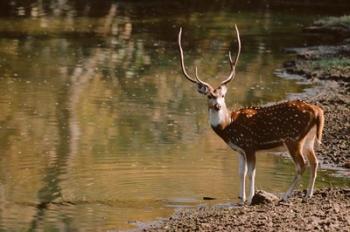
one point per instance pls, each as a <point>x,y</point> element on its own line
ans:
<point>217,117</point>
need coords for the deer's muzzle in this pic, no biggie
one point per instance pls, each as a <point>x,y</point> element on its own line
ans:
<point>216,107</point>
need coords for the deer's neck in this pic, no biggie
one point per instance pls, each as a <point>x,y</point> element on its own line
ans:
<point>219,118</point>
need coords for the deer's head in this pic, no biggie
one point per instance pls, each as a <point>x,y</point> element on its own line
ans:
<point>216,96</point>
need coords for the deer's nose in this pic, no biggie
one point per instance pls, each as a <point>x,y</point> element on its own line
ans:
<point>217,106</point>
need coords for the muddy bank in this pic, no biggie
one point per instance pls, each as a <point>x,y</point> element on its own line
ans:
<point>321,62</point>
<point>335,150</point>
<point>328,210</point>
<point>329,66</point>
<point>335,25</point>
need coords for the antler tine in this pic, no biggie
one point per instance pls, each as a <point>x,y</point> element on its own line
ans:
<point>200,81</point>
<point>182,59</point>
<point>233,64</point>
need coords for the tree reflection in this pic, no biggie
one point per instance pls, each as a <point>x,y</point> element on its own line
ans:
<point>51,190</point>
<point>117,56</point>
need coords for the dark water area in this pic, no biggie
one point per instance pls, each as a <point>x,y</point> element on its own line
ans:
<point>100,130</point>
<point>136,8</point>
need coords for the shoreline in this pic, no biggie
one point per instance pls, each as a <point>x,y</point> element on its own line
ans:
<point>327,210</point>
<point>333,94</point>
<point>334,152</point>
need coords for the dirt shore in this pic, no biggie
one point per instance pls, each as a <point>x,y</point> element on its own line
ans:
<point>333,25</point>
<point>328,210</point>
<point>329,66</point>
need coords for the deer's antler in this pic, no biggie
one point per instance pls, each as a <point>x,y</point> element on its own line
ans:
<point>233,64</point>
<point>182,59</point>
<point>197,80</point>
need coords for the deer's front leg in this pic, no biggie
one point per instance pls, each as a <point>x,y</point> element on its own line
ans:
<point>251,175</point>
<point>242,175</point>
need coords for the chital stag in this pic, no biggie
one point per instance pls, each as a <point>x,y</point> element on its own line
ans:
<point>294,124</point>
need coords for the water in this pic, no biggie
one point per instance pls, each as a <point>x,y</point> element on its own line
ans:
<point>100,130</point>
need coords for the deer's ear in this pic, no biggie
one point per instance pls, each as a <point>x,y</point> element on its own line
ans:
<point>202,89</point>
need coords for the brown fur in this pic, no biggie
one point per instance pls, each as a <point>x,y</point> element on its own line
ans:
<point>290,123</point>
<point>254,129</point>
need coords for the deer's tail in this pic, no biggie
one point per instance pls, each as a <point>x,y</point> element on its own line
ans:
<point>319,125</point>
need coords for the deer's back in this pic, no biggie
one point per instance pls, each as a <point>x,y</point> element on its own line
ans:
<point>268,127</point>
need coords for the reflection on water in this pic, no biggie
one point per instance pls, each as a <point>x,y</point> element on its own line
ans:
<point>98,128</point>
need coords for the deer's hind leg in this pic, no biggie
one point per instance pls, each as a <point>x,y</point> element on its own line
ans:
<point>295,150</point>
<point>308,150</point>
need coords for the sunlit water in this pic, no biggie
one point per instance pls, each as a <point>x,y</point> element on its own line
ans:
<point>99,129</point>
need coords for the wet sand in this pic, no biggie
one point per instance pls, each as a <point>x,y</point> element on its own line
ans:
<point>328,210</point>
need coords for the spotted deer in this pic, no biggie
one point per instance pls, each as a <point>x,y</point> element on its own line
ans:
<point>292,124</point>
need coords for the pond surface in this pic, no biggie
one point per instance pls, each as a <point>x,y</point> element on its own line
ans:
<point>100,130</point>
